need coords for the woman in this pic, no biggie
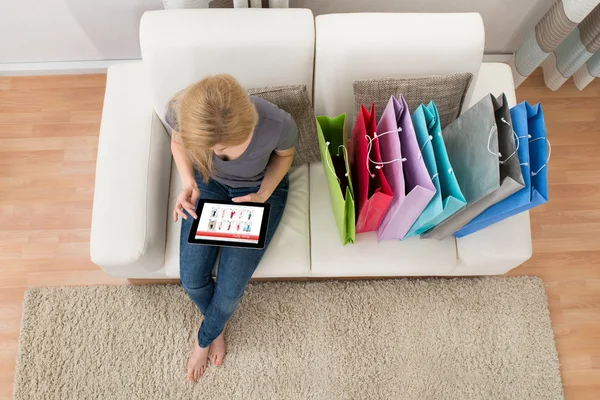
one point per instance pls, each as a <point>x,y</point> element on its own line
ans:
<point>227,146</point>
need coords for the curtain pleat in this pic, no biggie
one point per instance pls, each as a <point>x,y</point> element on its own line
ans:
<point>562,41</point>
<point>587,73</point>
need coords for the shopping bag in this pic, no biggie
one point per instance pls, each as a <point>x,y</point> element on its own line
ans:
<point>448,198</point>
<point>530,129</point>
<point>483,154</point>
<point>373,193</point>
<point>404,169</point>
<point>332,137</point>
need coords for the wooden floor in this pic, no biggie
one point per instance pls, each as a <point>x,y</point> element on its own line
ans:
<point>48,140</point>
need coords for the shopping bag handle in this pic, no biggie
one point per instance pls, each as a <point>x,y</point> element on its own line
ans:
<point>547,159</point>
<point>379,164</point>
<point>429,140</point>
<point>338,153</point>
<point>495,128</point>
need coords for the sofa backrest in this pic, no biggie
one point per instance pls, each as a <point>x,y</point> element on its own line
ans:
<point>259,47</point>
<point>351,47</point>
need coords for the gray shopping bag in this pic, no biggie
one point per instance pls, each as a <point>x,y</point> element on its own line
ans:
<point>482,152</point>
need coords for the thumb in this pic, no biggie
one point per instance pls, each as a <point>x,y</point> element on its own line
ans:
<point>241,199</point>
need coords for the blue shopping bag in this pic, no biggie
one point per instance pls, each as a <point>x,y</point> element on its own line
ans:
<point>448,197</point>
<point>529,127</point>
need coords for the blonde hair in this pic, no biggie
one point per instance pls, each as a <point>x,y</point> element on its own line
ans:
<point>214,111</point>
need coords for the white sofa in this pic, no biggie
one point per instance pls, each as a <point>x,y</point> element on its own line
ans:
<point>133,234</point>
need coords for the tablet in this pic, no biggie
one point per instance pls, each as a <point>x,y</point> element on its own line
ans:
<point>224,223</point>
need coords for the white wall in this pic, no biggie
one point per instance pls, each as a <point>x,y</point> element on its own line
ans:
<point>71,30</point>
<point>507,22</point>
<point>80,30</point>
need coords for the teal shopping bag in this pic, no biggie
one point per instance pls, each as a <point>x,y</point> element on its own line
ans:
<point>448,197</point>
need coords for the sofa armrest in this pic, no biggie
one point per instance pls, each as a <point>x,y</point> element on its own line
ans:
<point>133,167</point>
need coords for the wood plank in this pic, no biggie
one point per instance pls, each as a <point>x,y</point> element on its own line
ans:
<point>5,82</point>
<point>58,81</point>
<point>65,130</point>
<point>18,131</point>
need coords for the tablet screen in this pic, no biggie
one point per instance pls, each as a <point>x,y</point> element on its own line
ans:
<point>230,223</point>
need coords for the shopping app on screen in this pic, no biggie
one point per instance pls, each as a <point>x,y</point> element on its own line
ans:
<point>231,223</point>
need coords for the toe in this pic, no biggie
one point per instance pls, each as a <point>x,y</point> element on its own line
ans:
<point>190,372</point>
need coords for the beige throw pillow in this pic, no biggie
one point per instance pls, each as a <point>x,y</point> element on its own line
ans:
<point>447,91</point>
<point>294,100</point>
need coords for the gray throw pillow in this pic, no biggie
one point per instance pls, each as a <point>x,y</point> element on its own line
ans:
<point>447,91</point>
<point>294,100</point>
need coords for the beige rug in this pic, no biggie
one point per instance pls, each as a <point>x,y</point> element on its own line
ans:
<point>458,339</point>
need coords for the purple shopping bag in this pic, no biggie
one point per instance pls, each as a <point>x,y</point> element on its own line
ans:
<point>404,169</point>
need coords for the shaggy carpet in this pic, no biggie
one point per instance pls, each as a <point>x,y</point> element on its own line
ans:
<point>482,338</point>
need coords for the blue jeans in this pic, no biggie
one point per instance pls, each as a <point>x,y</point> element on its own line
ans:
<point>217,301</point>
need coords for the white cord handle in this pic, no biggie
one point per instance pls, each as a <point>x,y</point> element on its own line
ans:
<point>515,135</point>
<point>494,128</point>
<point>490,141</point>
<point>330,165</point>
<point>547,159</point>
<point>424,144</point>
<point>379,164</point>
<point>524,137</point>
<point>346,162</point>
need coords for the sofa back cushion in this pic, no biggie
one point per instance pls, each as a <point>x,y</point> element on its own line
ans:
<point>260,48</point>
<point>447,91</point>
<point>352,47</point>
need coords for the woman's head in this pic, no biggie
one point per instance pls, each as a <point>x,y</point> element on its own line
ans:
<point>214,113</point>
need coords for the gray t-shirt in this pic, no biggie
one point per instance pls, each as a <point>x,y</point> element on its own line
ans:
<point>276,130</point>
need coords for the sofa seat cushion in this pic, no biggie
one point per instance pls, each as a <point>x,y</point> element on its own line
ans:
<point>288,254</point>
<point>366,257</point>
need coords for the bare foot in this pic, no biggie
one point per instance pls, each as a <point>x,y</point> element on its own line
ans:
<point>196,365</point>
<point>216,351</point>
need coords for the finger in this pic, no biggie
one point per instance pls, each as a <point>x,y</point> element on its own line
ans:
<point>242,199</point>
<point>191,212</point>
<point>181,213</point>
<point>189,207</point>
<point>176,212</point>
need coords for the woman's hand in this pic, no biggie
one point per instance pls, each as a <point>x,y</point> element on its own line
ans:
<point>252,198</point>
<point>278,166</point>
<point>187,200</point>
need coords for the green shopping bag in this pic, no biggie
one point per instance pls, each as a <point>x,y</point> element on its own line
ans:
<point>334,156</point>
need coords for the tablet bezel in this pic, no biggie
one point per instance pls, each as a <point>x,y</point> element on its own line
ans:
<point>224,243</point>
